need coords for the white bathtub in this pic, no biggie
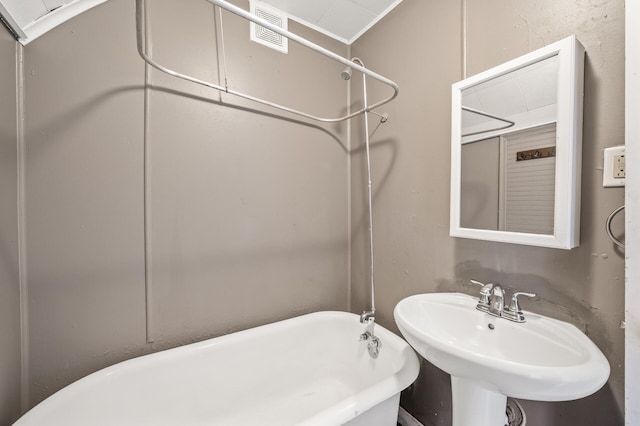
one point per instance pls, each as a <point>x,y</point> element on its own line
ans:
<point>310,370</point>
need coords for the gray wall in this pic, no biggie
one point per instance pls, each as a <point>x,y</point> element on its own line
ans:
<point>9,279</point>
<point>9,284</point>
<point>419,45</point>
<point>247,207</point>
<point>84,116</point>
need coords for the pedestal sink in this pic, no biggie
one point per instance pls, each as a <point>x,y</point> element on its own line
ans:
<point>490,358</point>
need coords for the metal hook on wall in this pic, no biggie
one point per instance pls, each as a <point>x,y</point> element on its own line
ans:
<point>608,227</point>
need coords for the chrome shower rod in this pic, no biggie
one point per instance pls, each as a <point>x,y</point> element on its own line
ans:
<point>508,124</point>
<point>141,25</point>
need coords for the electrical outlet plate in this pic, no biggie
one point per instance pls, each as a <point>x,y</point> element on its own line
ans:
<point>614,167</point>
<point>618,166</point>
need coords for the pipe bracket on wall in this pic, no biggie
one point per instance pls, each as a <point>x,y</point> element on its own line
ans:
<point>141,35</point>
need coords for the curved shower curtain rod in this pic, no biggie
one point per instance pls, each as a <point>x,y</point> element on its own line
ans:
<point>508,124</point>
<point>141,26</point>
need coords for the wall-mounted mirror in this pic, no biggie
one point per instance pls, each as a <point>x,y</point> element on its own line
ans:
<point>517,150</point>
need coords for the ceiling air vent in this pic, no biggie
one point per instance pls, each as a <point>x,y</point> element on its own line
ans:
<point>264,35</point>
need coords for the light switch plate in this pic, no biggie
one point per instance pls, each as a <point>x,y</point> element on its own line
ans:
<point>614,167</point>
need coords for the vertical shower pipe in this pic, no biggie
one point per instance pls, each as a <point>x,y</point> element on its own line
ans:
<point>368,314</point>
<point>369,317</point>
<point>148,259</point>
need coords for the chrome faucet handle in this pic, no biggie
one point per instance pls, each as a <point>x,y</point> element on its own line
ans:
<point>477,283</point>
<point>485,292</point>
<point>486,288</point>
<point>513,312</point>
<point>514,306</point>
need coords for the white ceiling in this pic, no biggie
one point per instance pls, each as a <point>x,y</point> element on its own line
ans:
<point>32,18</point>
<point>26,11</point>
<point>344,20</point>
<point>529,93</point>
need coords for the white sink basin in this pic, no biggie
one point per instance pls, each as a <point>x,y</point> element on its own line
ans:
<point>542,359</point>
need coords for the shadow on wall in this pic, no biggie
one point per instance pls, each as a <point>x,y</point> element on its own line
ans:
<point>594,410</point>
<point>7,243</point>
<point>62,122</point>
<point>591,411</point>
<point>382,168</point>
<point>553,301</point>
<point>379,180</point>
<point>55,129</point>
<point>78,113</point>
<point>435,409</point>
<point>550,300</point>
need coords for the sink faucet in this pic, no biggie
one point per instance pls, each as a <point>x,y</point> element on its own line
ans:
<point>496,301</point>
<point>491,301</point>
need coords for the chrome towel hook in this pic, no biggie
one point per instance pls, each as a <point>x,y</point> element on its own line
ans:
<point>608,227</point>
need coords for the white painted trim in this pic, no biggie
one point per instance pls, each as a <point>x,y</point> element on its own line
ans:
<point>632,202</point>
<point>51,20</point>
<point>375,21</point>
<point>22,230</point>
<point>569,147</point>
<point>8,17</point>
<point>349,195</point>
<point>502,196</point>
<point>55,18</point>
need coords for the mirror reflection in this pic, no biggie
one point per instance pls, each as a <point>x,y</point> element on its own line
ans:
<point>508,152</point>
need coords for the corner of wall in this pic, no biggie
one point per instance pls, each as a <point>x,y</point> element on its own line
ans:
<point>10,303</point>
<point>22,249</point>
<point>349,171</point>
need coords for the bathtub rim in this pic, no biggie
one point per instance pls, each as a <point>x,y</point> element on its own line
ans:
<point>346,410</point>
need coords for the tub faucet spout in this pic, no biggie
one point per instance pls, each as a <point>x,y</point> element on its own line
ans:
<point>373,342</point>
<point>367,316</point>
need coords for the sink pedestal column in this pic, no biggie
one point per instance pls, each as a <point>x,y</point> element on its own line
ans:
<point>474,404</point>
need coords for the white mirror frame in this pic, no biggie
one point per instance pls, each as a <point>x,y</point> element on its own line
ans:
<point>568,147</point>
